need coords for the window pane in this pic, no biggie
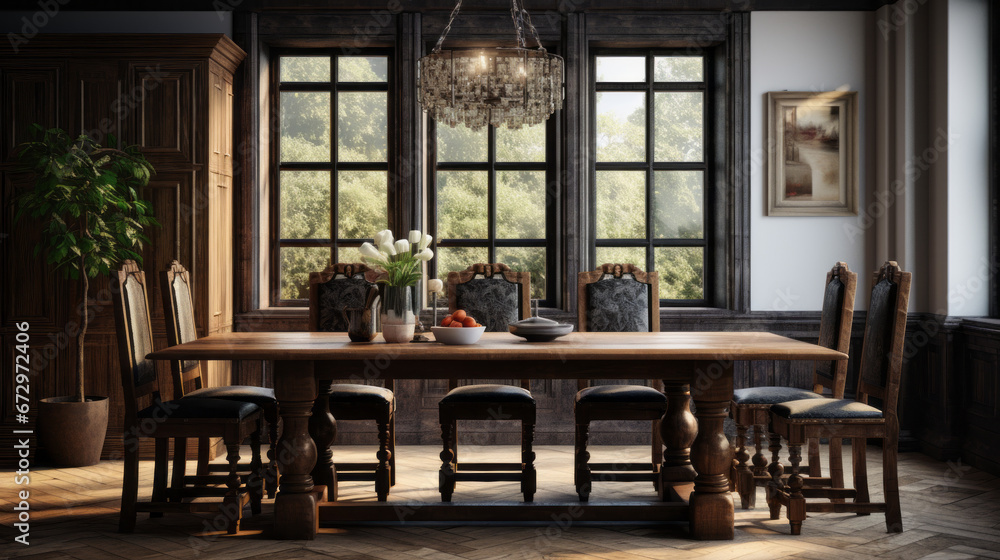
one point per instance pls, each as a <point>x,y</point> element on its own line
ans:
<point>349,254</point>
<point>621,69</point>
<point>621,126</point>
<point>530,259</point>
<point>461,143</point>
<point>621,255</point>
<point>679,119</point>
<point>305,204</point>
<point>621,204</point>
<point>457,259</point>
<point>362,203</point>
<point>305,69</point>
<point>681,272</point>
<point>296,264</point>
<point>362,69</point>
<point>521,145</point>
<point>678,69</point>
<point>305,126</point>
<point>677,204</point>
<point>520,205</point>
<point>461,204</point>
<point>362,127</point>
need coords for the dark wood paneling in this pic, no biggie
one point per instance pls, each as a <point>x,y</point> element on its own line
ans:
<point>161,104</point>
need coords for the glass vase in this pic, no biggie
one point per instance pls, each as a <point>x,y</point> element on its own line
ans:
<point>398,320</point>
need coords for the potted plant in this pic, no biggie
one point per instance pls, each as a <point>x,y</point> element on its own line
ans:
<point>86,198</point>
<point>399,264</point>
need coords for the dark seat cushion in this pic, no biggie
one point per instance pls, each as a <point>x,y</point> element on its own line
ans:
<point>488,393</point>
<point>825,408</point>
<point>360,394</point>
<point>621,394</point>
<point>199,408</point>
<point>772,395</point>
<point>259,396</point>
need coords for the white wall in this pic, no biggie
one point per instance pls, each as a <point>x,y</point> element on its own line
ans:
<point>968,159</point>
<point>28,23</point>
<point>802,51</point>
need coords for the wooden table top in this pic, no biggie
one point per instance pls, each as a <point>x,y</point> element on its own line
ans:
<point>503,346</point>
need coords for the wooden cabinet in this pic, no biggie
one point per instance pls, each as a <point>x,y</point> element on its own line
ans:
<point>173,96</point>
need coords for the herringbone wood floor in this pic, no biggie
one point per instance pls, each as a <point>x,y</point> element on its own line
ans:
<point>949,511</point>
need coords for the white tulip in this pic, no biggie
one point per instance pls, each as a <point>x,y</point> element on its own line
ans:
<point>434,285</point>
<point>414,237</point>
<point>402,246</point>
<point>369,251</point>
<point>378,238</point>
<point>425,241</point>
<point>387,248</point>
<point>386,237</point>
<point>425,255</point>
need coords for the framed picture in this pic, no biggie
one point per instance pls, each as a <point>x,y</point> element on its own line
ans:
<point>812,140</point>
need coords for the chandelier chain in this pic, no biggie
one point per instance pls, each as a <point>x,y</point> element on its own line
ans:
<point>447,28</point>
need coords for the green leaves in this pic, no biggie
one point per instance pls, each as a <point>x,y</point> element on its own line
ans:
<point>87,197</point>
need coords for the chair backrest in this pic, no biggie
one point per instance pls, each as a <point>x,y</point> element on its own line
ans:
<point>135,337</point>
<point>617,298</point>
<point>492,293</point>
<point>178,314</point>
<point>340,286</point>
<point>885,326</point>
<point>835,328</point>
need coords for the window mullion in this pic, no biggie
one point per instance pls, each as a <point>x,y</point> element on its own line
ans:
<point>334,155</point>
<point>650,109</point>
<point>491,196</point>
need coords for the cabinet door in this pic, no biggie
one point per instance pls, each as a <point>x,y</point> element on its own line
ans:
<point>95,102</point>
<point>220,132</point>
<point>160,103</point>
<point>220,253</point>
<point>176,207</point>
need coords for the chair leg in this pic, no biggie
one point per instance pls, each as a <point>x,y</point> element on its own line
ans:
<point>759,460</point>
<point>836,465</point>
<point>231,503</point>
<point>203,453</point>
<point>256,480</point>
<point>529,476</point>
<point>582,456</point>
<point>392,450</point>
<point>657,455</point>
<point>776,471</point>
<point>860,462</point>
<point>446,477</point>
<point>815,468</point>
<point>796,501</point>
<point>271,473</point>
<point>890,484</point>
<point>178,470</point>
<point>383,473</point>
<point>160,474</point>
<point>130,484</point>
<point>741,476</point>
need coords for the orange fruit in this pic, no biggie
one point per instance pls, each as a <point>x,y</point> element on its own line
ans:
<point>446,321</point>
<point>459,315</point>
<point>456,324</point>
<point>478,325</point>
<point>468,322</point>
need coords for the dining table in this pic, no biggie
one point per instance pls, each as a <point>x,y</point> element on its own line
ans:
<point>694,366</point>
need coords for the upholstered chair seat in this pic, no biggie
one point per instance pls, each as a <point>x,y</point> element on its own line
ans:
<point>771,395</point>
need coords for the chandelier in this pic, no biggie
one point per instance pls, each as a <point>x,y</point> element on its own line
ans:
<point>501,86</point>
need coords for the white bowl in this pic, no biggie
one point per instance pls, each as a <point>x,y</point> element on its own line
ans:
<point>456,335</point>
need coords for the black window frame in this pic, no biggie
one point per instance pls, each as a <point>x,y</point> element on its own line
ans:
<point>709,164</point>
<point>491,166</point>
<point>334,242</point>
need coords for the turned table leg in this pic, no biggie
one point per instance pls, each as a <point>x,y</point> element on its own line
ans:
<point>712,513</point>
<point>295,515</point>
<point>323,429</point>
<point>678,430</point>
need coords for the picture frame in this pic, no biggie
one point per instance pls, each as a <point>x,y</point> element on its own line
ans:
<point>812,140</point>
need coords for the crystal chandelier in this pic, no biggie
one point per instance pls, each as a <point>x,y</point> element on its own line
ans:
<point>502,86</point>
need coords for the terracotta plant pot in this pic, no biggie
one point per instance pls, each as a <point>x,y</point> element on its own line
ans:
<point>73,432</point>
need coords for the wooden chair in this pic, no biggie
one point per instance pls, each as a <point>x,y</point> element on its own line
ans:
<point>146,415</point>
<point>751,406</point>
<point>879,375</point>
<point>496,296</point>
<point>178,311</point>
<point>341,286</point>
<point>617,298</point>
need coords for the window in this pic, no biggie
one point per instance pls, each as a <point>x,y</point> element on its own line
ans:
<point>332,149</point>
<point>492,200</point>
<point>651,166</point>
